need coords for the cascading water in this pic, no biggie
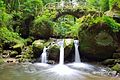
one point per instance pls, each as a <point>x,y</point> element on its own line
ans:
<point>44,56</point>
<point>61,59</point>
<point>77,55</point>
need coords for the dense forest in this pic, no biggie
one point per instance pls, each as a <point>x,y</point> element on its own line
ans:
<point>26,26</point>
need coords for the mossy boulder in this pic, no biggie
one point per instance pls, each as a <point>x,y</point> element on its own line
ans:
<point>38,46</point>
<point>97,42</point>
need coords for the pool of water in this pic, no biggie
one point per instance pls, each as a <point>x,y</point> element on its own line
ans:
<point>39,71</point>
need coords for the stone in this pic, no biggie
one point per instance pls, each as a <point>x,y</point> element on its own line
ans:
<point>97,43</point>
<point>116,55</point>
<point>108,62</point>
<point>38,46</point>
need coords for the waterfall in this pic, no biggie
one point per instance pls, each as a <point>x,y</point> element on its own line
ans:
<point>44,56</point>
<point>61,58</point>
<point>77,55</point>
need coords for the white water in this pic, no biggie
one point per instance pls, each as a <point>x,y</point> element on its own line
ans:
<point>44,56</point>
<point>77,55</point>
<point>61,59</point>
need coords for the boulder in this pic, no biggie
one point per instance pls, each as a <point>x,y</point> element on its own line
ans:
<point>108,62</point>
<point>97,42</point>
<point>38,46</point>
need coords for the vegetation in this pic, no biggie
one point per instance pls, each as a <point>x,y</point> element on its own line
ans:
<point>23,19</point>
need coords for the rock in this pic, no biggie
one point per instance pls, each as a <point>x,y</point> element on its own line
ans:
<point>11,60</point>
<point>116,67</point>
<point>116,55</point>
<point>13,53</point>
<point>18,56</point>
<point>54,51</point>
<point>108,62</point>
<point>38,46</point>
<point>9,53</point>
<point>96,42</point>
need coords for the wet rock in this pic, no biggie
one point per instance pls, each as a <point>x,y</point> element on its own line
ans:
<point>11,60</point>
<point>54,51</point>
<point>38,46</point>
<point>108,62</point>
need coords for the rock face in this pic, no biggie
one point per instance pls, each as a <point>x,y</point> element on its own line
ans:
<point>38,46</point>
<point>97,42</point>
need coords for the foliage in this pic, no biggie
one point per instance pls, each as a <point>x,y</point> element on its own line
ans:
<point>9,36</point>
<point>32,7</point>
<point>4,17</point>
<point>114,3</point>
<point>63,26</point>
<point>89,21</point>
<point>112,23</point>
<point>101,5</point>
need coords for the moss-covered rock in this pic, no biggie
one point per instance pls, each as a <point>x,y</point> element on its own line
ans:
<point>116,67</point>
<point>109,62</point>
<point>38,46</point>
<point>54,51</point>
<point>97,42</point>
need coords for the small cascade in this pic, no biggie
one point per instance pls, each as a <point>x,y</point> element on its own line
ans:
<point>61,59</point>
<point>44,56</point>
<point>77,55</point>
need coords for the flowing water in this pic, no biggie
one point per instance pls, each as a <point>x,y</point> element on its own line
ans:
<point>77,55</point>
<point>61,59</point>
<point>43,71</point>
<point>44,56</point>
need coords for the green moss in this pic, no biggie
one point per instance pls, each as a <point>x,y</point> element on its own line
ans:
<point>1,61</point>
<point>116,67</point>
